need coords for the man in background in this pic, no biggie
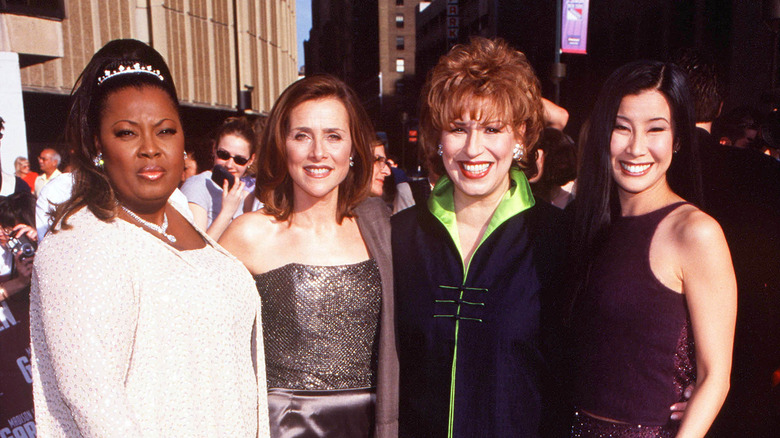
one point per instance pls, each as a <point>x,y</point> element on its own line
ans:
<point>48,160</point>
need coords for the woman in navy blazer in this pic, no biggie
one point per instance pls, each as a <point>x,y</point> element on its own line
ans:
<point>471,265</point>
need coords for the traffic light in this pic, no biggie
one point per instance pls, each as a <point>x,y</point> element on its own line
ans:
<point>412,136</point>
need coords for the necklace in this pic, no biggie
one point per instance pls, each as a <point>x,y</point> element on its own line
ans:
<point>154,227</point>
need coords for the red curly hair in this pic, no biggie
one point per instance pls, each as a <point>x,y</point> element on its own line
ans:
<point>488,80</point>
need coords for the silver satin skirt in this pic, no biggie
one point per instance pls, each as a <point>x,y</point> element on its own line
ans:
<point>347,413</point>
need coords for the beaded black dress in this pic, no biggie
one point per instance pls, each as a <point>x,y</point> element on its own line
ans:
<point>320,328</point>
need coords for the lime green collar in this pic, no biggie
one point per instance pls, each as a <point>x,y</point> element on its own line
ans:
<point>517,199</point>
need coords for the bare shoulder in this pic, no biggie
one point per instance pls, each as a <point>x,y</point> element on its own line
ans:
<point>249,235</point>
<point>695,232</point>
<point>250,225</point>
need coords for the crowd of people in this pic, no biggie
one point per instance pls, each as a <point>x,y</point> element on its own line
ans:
<point>528,285</point>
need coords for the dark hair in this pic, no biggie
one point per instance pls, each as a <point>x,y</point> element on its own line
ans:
<point>274,185</point>
<point>91,185</point>
<point>2,124</point>
<point>18,208</point>
<point>736,122</point>
<point>597,201</point>
<point>703,83</point>
<point>560,162</point>
<point>259,122</point>
<point>485,69</point>
<point>238,126</point>
<point>241,127</point>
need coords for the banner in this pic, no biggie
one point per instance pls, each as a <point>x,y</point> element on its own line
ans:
<point>574,28</point>
<point>453,20</point>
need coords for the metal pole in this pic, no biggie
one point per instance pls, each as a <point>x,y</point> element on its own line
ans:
<point>556,67</point>
<point>238,58</point>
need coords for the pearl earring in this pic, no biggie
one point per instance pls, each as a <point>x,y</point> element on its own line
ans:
<point>351,162</point>
<point>440,151</point>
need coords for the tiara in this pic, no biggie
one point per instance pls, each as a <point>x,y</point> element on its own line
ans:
<point>135,68</point>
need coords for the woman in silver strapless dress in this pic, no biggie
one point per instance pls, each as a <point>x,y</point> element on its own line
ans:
<point>320,255</point>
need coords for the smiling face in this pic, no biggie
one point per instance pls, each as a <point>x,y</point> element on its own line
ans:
<point>231,149</point>
<point>642,142</point>
<point>477,155</point>
<point>318,146</point>
<point>142,143</point>
<point>381,170</point>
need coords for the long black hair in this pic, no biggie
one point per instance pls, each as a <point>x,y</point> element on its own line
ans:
<point>98,80</point>
<point>597,202</point>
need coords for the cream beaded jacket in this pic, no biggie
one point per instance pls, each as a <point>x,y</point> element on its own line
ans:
<point>133,338</point>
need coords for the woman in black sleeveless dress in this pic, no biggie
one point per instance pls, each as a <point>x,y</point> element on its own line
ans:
<point>655,270</point>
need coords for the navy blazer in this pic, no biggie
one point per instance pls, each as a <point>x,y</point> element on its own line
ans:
<point>495,354</point>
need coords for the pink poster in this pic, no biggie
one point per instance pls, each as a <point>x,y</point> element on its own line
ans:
<point>574,29</point>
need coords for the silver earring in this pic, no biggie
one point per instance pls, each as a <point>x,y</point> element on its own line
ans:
<point>351,162</point>
<point>98,160</point>
<point>518,153</point>
<point>440,151</point>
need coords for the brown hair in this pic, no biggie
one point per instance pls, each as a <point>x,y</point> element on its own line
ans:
<point>487,71</point>
<point>238,126</point>
<point>274,185</point>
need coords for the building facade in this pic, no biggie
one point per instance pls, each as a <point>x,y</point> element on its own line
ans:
<point>343,43</point>
<point>215,49</point>
<point>371,46</point>
<point>398,69</point>
<point>397,41</point>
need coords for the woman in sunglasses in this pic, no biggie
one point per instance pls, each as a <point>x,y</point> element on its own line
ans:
<point>215,205</point>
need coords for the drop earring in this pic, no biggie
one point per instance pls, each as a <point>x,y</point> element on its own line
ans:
<point>351,162</point>
<point>98,160</point>
<point>439,150</point>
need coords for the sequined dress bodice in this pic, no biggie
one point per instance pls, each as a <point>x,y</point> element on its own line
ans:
<point>320,325</point>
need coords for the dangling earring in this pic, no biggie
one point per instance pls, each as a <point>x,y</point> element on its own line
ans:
<point>98,160</point>
<point>351,161</point>
<point>676,148</point>
<point>518,153</point>
<point>440,151</point>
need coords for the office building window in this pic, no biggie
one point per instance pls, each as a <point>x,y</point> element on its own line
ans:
<point>399,43</point>
<point>399,2</point>
<point>399,65</point>
<point>34,8</point>
<point>399,21</point>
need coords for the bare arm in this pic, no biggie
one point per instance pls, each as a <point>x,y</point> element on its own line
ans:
<point>199,216</point>
<point>554,115</point>
<point>231,201</point>
<point>711,293</point>
<point>243,237</point>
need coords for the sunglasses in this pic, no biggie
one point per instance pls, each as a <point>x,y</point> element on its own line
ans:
<point>225,155</point>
